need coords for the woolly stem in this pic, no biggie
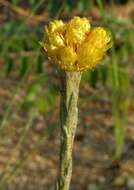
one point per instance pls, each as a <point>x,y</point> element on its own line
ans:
<point>68,116</point>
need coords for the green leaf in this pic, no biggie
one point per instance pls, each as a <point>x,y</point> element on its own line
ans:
<point>102,9</point>
<point>32,2</point>
<point>103,75</point>
<point>9,65</point>
<point>84,5</point>
<point>39,64</point>
<point>24,66</point>
<point>15,2</point>
<point>53,7</point>
<point>94,78</point>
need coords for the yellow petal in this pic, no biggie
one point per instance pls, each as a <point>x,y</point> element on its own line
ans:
<point>94,48</point>
<point>67,57</point>
<point>53,38</point>
<point>76,30</point>
<point>56,25</point>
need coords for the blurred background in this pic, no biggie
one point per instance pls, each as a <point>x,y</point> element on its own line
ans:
<point>29,99</point>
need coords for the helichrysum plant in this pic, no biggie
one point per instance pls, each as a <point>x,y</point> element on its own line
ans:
<point>74,47</point>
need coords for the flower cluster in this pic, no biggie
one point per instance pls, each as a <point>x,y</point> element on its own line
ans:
<point>74,46</point>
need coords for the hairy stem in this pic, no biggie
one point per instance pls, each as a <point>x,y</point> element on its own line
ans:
<point>68,115</point>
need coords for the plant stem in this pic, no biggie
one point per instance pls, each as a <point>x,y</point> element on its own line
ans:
<point>69,116</point>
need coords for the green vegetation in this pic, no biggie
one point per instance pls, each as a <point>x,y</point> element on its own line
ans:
<point>22,61</point>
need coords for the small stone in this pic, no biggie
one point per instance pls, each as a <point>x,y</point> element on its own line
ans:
<point>119,181</point>
<point>92,187</point>
<point>102,179</point>
<point>130,184</point>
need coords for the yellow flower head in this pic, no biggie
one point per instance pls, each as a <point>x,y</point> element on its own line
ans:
<point>74,46</point>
